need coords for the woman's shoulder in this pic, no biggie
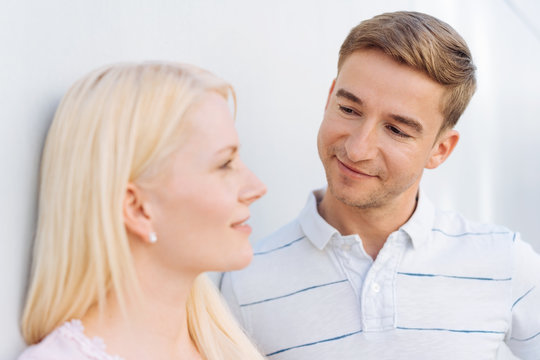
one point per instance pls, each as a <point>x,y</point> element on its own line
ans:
<point>68,341</point>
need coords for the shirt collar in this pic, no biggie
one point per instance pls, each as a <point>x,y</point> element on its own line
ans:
<point>419,226</point>
<point>317,230</point>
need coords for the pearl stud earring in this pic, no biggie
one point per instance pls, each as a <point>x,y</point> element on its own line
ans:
<point>152,237</point>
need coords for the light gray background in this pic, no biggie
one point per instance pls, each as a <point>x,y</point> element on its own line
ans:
<point>281,57</point>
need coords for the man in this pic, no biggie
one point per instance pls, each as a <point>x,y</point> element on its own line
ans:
<point>370,269</point>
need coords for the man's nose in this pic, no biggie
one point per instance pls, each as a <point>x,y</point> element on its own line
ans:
<point>363,143</point>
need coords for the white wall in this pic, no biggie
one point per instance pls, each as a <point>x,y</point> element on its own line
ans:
<point>281,57</point>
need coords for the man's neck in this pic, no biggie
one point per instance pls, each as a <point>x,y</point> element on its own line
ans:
<point>373,224</point>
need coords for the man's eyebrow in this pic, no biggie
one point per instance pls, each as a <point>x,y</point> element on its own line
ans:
<point>349,96</point>
<point>416,125</point>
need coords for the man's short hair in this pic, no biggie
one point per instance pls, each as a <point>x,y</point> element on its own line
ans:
<point>426,44</point>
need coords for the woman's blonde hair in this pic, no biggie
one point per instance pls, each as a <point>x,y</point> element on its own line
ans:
<point>118,124</point>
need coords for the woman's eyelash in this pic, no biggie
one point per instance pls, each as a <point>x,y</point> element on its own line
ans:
<point>227,164</point>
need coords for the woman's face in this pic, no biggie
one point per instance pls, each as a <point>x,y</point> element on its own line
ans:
<point>199,207</point>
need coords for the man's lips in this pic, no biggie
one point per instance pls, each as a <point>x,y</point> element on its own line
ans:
<point>353,171</point>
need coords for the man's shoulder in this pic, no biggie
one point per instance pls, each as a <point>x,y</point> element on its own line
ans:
<point>456,225</point>
<point>269,263</point>
<point>286,253</point>
<point>282,238</point>
<point>274,254</point>
<point>283,263</point>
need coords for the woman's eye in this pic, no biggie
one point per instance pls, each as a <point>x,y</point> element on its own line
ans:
<point>227,165</point>
<point>397,132</point>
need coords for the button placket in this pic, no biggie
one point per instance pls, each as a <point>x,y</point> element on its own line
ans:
<point>353,262</point>
<point>378,308</point>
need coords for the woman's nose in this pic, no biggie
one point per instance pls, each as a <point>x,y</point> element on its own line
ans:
<point>254,188</point>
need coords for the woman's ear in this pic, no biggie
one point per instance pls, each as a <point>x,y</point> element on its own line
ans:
<point>137,218</point>
<point>442,149</point>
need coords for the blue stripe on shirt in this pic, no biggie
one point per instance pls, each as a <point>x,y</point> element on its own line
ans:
<point>293,293</point>
<point>454,276</point>
<point>522,296</point>
<point>281,247</point>
<point>472,233</point>
<point>527,339</point>
<point>452,330</point>
<point>314,343</point>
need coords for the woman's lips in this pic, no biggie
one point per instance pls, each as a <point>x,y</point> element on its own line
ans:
<point>242,226</point>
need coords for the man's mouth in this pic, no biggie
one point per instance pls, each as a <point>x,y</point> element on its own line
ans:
<point>349,169</point>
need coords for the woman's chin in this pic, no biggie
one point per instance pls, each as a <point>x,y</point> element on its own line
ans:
<point>240,259</point>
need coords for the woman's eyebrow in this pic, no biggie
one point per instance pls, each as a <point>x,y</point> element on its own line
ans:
<point>233,149</point>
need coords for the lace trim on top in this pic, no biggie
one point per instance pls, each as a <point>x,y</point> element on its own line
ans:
<point>93,348</point>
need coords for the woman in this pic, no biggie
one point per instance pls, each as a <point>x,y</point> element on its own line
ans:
<point>142,190</point>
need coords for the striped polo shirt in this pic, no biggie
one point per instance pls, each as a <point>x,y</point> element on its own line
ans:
<point>441,287</point>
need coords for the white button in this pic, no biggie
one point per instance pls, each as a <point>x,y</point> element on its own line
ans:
<point>375,287</point>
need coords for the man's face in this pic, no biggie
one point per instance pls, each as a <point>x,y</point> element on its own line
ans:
<point>380,131</point>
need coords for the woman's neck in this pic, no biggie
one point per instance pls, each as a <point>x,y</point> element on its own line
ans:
<point>152,325</point>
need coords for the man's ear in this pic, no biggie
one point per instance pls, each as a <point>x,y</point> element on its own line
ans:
<point>443,147</point>
<point>330,93</point>
<point>137,218</point>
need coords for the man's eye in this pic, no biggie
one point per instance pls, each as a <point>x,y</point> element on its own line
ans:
<point>346,110</point>
<point>397,132</point>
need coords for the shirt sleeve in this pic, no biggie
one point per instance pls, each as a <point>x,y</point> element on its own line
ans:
<point>523,337</point>
<point>226,288</point>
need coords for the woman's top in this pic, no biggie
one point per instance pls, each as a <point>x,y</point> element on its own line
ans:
<point>68,342</point>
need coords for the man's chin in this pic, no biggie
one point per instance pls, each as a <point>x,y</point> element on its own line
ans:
<point>356,198</point>
<point>359,203</point>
